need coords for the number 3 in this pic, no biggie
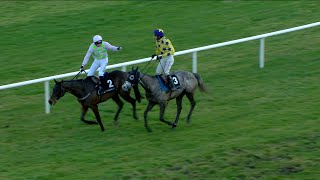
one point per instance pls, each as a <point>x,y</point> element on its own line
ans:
<point>175,80</point>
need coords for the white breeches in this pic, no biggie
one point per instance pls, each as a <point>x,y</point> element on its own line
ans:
<point>102,63</point>
<point>165,65</point>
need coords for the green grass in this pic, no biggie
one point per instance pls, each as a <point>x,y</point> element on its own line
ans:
<point>253,124</point>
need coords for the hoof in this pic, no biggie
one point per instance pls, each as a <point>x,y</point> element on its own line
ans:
<point>174,125</point>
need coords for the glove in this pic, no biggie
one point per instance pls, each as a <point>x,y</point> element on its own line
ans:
<point>159,57</point>
<point>153,55</point>
<point>119,48</point>
<point>81,69</point>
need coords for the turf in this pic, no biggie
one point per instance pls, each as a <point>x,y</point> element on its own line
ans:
<point>253,123</point>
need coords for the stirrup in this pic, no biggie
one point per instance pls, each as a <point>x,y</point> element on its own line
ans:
<point>101,91</point>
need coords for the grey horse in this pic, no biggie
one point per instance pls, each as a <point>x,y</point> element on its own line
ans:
<point>189,82</point>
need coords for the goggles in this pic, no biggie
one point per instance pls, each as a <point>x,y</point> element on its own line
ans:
<point>98,42</point>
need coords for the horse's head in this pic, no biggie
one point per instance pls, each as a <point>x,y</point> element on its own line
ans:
<point>57,93</point>
<point>132,80</point>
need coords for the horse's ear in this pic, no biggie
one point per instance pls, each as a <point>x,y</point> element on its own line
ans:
<point>137,68</point>
<point>55,81</point>
<point>132,68</point>
<point>61,81</point>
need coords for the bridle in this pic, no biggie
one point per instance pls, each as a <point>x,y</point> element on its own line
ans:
<point>61,93</point>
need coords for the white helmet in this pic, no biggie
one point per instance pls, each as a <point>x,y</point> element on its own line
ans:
<point>97,38</point>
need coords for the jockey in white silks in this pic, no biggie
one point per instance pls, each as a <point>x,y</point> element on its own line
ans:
<point>98,50</point>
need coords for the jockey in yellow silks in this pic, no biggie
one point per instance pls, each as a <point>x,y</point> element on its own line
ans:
<point>164,52</point>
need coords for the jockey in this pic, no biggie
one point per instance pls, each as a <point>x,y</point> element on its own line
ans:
<point>164,52</point>
<point>98,49</point>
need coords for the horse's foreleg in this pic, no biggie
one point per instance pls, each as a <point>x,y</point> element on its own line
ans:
<point>116,99</point>
<point>132,101</point>
<point>149,107</point>
<point>84,110</point>
<point>179,108</point>
<point>193,104</point>
<point>162,110</point>
<point>96,113</point>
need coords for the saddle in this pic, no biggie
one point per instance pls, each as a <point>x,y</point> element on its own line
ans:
<point>103,85</point>
<point>165,86</point>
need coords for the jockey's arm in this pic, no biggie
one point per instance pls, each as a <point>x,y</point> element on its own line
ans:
<point>87,57</point>
<point>157,51</point>
<point>111,47</point>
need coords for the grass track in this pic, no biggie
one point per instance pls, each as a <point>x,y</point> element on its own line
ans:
<point>254,124</point>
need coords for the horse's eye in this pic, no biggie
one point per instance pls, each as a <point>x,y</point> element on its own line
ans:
<point>131,77</point>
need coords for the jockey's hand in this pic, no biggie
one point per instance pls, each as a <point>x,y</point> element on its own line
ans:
<point>119,48</point>
<point>159,57</point>
<point>153,55</point>
<point>81,69</point>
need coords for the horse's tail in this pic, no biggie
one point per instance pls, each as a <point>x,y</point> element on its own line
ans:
<point>201,85</point>
<point>137,93</point>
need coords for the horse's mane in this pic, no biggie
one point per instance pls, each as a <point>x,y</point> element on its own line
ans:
<point>118,73</point>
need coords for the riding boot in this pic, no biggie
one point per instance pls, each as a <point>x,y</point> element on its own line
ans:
<point>170,83</point>
<point>102,87</point>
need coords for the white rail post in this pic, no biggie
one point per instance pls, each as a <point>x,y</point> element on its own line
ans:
<point>194,62</point>
<point>124,68</point>
<point>261,59</point>
<point>46,96</point>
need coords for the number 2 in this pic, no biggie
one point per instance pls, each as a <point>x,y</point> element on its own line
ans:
<point>110,83</point>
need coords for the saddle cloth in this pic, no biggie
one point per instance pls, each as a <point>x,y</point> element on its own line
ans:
<point>109,87</point>
<point>164,86</point>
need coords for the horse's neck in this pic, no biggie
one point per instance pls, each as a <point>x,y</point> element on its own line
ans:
<point>149,82</point>
<point>74,87</point>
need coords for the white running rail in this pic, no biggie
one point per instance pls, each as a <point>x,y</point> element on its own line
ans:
<point>194,60</point>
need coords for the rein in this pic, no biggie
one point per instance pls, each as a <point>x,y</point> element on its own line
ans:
<point>76,77</point>
<point>149,67</point>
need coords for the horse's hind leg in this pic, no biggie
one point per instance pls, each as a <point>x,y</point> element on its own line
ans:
<point>193,104</point>
<point>120,105</point>
<point>179,108</point>
<point>132,101</point>
<point>149,107</point>
<point>84,111</point>
<point>96,113</point>
<point>162,110</point>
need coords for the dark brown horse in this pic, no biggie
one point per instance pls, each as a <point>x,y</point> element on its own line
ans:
<point>86,93</point>
<point>188,81</point>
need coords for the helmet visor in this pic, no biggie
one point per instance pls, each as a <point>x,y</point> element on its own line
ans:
<point>98,42</point>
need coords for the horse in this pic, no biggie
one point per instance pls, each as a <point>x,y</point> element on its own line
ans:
<point>86,93</point>
<point>189,82</point>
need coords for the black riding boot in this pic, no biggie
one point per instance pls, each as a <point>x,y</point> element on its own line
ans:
<point>103,85</point>
<point>171,83</point>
